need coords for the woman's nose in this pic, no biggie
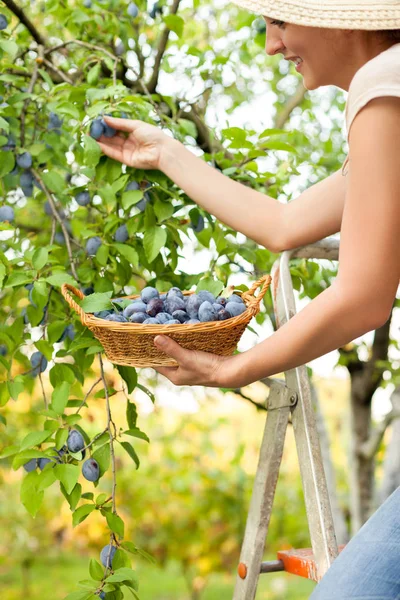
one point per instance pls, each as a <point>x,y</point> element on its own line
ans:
<point>273,45</point>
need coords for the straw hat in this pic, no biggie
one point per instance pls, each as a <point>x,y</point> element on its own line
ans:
<point>335,14</point>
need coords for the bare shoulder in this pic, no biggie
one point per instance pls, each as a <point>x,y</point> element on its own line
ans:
<point>373,138</point>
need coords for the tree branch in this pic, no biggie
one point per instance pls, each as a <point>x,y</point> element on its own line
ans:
<point>20,14</point>
<point>152,85</point>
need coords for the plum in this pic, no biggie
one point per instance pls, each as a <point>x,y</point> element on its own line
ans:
<point>38,363</point>
<point>174,303</point>
<point>154,306</point>
<point>75,441</point>
<point>117,318</point>
<point>204,295</point>
<point>107,555</point>
<point>83,198</point>
<point>235,298</point>
<point>92,245</point>
<point>181,316</point>
<point>192,321</point>
<point>133,10</point>
<point>139,317</point>
<point>108,131</point>
<point>163,317</point>
<point>175,291</point>
<point>24,160</point>
<point>235,309</point>
<point>42,462</point>
<point>30,465</point>
<point>121,235</point>
<point>148,293</point>
<point>135,307</point>
<point>192,306</point>
<point>6,214</point>
<point>223,315</point>
<point>151,321</point>
<point>3,22</point>
<point>132,185</point>
<point>207,312</point>
<point>96,129</point>
<point>173,322</point>
<point>91,470</point>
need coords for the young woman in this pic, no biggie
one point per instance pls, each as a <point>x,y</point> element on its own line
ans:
<point>356,47</point>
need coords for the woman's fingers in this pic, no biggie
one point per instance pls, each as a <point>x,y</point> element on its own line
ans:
<point>111,151</point>
<point>115,141</point>
<point>122,124</point>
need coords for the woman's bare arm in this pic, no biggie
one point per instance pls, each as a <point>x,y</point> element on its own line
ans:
<point>316,213</point>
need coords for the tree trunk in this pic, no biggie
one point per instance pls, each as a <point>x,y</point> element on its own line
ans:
<point>365,379</point>
<point>391,465</point>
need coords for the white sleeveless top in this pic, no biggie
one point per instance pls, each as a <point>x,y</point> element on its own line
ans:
<point>378,77</point>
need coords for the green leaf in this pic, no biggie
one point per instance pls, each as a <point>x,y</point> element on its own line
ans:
<point>59,398</point>
<point>96,570</point>
<point>54,182</point>
<point>102,456</point>
<point>129,375</point>
<point>135,432</point>
<point>81,513</point>
<point>102,255</point>
<point>212,285</point>
<point>131,414</point>
<point>16,387</point>
<point>115,523</point>
<point>3,420</point>
<point>68,475</point>
<point>130,198</point>
<point>40,258</point>
<point>175,23</point>
<point>92,151</point>
<point>31,498</point>
<point>61,438</point>
<point>124,574</point>
<point>7,163</point>
<point>131,451</point>
<point>9,451</point>
<point>130,547</point>
<point>128,252</point>
<point>60,277</point>
<point>10,48</point>
<point>45,348</point>
<point>81,595</point>
<point>93,74</point>
<point>20,278</point>
<point>96,302</point>
<point>34,438</point>
<point>3,272</point>
<point>154,239</point>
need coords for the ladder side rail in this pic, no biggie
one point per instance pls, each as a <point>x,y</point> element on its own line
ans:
<point>280,401</point>
<point>319,514</point>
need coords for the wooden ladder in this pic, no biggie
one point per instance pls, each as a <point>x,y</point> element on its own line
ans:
<point>292,397</point>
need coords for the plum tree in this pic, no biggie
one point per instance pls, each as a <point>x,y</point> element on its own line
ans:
<point>91,470</point>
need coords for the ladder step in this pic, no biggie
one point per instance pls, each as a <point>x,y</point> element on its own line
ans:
<point>298,562</point>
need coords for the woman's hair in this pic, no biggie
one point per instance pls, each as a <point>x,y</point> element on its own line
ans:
<point>390,35</point>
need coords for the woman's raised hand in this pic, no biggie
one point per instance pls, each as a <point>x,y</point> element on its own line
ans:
<point>141,148</point>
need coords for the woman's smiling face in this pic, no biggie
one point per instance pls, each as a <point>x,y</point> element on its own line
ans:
<point>330,56</point>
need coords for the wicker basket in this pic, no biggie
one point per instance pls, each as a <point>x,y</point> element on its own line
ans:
<point>132,344</point>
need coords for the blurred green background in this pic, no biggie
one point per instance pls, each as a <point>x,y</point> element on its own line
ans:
<point>186,505</point>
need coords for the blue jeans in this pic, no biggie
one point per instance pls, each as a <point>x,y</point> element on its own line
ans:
<point>369,566</point>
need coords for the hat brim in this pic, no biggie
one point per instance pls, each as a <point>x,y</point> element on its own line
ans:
<point>331,15</point>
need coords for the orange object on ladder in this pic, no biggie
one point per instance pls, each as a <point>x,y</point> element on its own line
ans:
<point>292,398</point>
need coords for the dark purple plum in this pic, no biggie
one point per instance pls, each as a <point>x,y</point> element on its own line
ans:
<point>121,235</point>
<point>235,309</point>
<point>235,298</point>
<point>92,245</point>
<point>174,303</point>
<point>223,315</point>
<point>207,312</point>
<point>6,214</point>
<point>206,296</point>
<point>151,321</point>
<point>30,465</point>
<point>154,306</point>
<point>91,470</point>
<point>138,317</point>
<point>163,317</point>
